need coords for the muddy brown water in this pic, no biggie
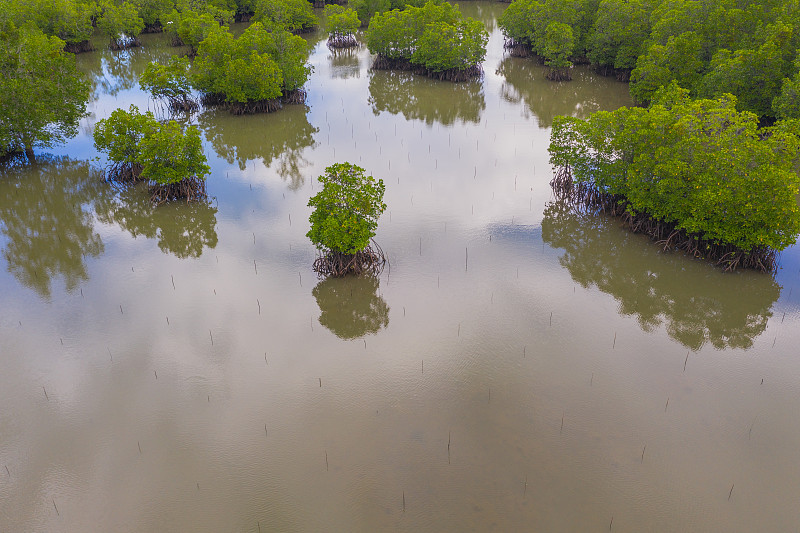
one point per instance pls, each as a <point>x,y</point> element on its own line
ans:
<point>517,368</point>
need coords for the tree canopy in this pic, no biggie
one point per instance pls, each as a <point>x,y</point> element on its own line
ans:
<point>42,94</point>
<point>346,211</point>
<point>698,165</point>
<point>250,72</point>
<point>434,39</point>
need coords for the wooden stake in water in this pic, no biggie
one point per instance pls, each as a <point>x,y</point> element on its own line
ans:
<point>45,393</point>
<point>686,360</point>
<point>731,492</point>
<point>59,514</point>
<point>615,341</point>
<point>326,461</point>
<point>643,449</point>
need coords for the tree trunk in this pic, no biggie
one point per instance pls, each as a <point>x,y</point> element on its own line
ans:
<point>29,153</point>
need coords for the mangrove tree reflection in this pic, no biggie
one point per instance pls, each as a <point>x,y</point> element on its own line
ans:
<point>696,303</point>
<point>183,230</point>
<point>351,307</point>
<point>420,98</point>
<point>345,63</point>
<point>281,136</point>
<point>46,216</point>
<point>525,83</point>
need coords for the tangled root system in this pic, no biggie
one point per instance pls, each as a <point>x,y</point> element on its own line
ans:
<point>370,260</point>
<point>189,189</point>
<point>587,198</point>
<point>455,75</point>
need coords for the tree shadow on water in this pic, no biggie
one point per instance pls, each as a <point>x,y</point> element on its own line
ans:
<point>351,307</point>
<point>696,302</point>
<point>181,229</point>
<point>280,137</point>
<point>46,215</point>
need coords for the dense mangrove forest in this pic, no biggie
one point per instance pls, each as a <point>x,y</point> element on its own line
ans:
<point>406,265</point>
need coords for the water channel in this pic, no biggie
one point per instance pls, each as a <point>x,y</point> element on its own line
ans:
<point>516,368</point>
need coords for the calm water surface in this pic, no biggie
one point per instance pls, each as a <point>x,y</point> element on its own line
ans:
<point>517,368</point>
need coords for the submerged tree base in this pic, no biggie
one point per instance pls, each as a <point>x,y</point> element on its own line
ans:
<point>517,49</point>
<point>124,173</point>
<point>79,47</point>
<point>367,261</point>
<point>189,189</point>
<point>295,97</point>
<point>585,197</point>
<point>342,41</point>
<point>124,44</point>
<point>455,75</point>
<point>241,108</point>
<point>559,74</point>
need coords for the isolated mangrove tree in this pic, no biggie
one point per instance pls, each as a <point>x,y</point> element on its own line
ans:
<point>342,25</point>
<point>253,72</point>
<point>343,222</point>
<point>434,40</point>
<point>165,155</point>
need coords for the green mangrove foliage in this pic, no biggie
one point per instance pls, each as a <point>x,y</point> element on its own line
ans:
<point>695,175</point>
<point>170,158</point>
<point>42,94</point>
<point>344,219</point>
<point>558,46</point>
<point>170,83</point>
<point>293,15</point>
<point>342,25</point>
<point>190,28</point>
<point>366,9</point>
<point>122,24</point>
<point>711,47</point>
<point>69,20</point>
<point>250,73</point>
<point>435,40</point>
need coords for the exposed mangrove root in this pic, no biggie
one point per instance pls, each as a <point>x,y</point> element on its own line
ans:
<point>307,29</point>
<point>559,74</point>
<point>455,75</point>
<point>243,17</point>
<point>240,108</point>
<point>79,47</point>
<point>587,198</point>
<point>124,43</point>
<point>517,49</point>
<point>174,40</point>
<point>124,173</point>
<point>342,40</point>
<point>156,27</point>
<point>370,260</point>
<point>189,189</point>
<point>297,96</point>
<point>622,74</point>
<point>184,104</point>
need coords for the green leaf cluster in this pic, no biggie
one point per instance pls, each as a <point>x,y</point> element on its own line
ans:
<point>292,15</point>
<point>346,210</point>
<point>526,21</point>
<point>366,9</point>
<point>341,20</point>
<point>435,36</point>
<point>192,27</point>
<point>169,82</point>
<point>261,64</point>
<point>698,164</point>
<point>166,153</point>
<point>42,94</point>
<point>558,45</point>
<point>710,47</point>
<point>120,20</point>
<point>69,20</point>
